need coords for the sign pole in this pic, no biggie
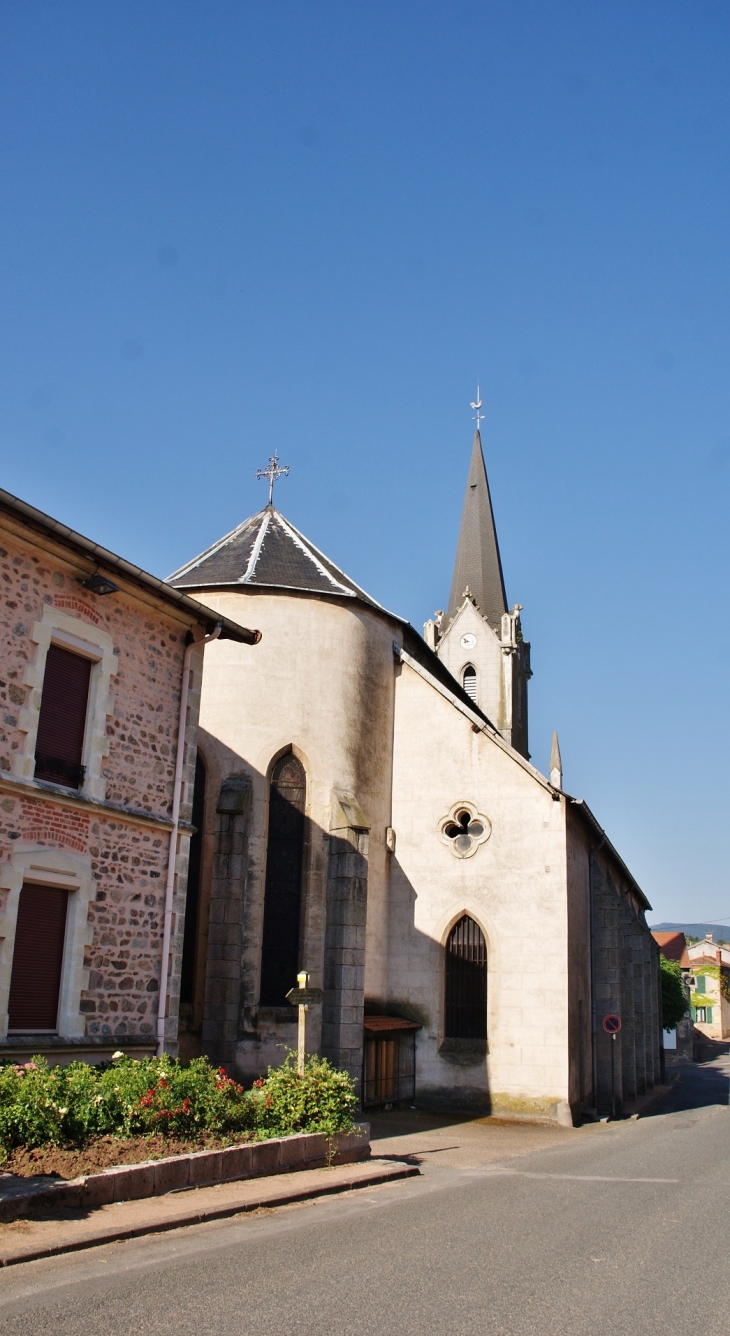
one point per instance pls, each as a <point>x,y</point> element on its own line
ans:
<point>302,980</point>
<point>303,997</point>
<point>612,1025</point>
<point>613,1076</point>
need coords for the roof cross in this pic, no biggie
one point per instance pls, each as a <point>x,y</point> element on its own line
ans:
<point>272,473</point>
<point>477,408</point>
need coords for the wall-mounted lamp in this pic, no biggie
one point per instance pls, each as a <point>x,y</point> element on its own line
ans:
<point>99,584</point>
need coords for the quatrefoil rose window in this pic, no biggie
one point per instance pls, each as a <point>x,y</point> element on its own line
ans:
<point>464,829</point>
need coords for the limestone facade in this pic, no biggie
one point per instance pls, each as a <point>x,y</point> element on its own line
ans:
<point>396,754</point>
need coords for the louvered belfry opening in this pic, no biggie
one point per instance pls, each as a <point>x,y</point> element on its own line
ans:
<point>35,980</point>
<point>62,719</point>
<point>466,981</point>
<point>469,681</point>
<point>282,899</point>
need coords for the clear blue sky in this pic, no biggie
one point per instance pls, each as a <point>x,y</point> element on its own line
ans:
<point>230,228</point>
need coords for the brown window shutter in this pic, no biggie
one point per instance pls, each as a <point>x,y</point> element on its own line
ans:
<point>35,981</point>
<point>62,719</point>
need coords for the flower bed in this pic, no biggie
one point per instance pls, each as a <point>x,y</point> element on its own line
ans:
<point>78,1105</point>
<point>102,1153</point>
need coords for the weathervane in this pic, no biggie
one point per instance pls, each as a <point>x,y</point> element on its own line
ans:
<point>477,407</point>
<point>272,473</point>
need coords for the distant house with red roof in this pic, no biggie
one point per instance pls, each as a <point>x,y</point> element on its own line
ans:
<point>709,974</point>
<point>673,946</point>
<point>678,1043</point>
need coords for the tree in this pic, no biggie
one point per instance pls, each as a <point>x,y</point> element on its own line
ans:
<point>674,1001</point>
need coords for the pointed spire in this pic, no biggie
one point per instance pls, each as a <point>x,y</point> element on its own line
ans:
<point>478,565</point>
<point>556,765</point>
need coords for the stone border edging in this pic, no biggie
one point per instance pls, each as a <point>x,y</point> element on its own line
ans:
<point>253,1159</point>
<point>379,1174</point>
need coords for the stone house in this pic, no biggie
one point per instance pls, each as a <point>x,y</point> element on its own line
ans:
<point>709,986</point>
<point>380,825</point>
<point>99,664</point>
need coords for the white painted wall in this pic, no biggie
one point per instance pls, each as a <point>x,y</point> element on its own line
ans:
<point>322,681</point>
<point>514,886</point>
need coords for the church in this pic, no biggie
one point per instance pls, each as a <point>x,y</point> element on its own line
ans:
<point>380,827</point>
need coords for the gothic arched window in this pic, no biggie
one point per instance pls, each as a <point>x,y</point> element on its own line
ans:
<point>469,681</point>
<point>282,897</point>
<point>466,981</point>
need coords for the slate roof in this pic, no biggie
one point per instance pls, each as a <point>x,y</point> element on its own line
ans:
<point>478,563</point>
<point>268,552</point>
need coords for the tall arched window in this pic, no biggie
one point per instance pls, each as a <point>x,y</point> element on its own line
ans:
<point>466,981</point>
<point>469,681</point>
<point>282,898</point>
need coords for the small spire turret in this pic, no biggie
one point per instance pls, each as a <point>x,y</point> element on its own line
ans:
<point>556,764</point>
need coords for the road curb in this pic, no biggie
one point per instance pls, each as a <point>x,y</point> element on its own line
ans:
<point>653,1100</point>
<point>378,1174</point>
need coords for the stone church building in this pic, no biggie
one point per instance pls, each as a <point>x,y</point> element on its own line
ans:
<point>379,825</point>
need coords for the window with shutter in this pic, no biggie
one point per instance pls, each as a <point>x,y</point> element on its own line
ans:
<point>62,718</point>
<point>469,682</point>
<point>35,980</point>
<point>701,983</point>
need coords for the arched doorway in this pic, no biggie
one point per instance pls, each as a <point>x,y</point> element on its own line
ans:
<point>283,893</point>
<point>466,981</point>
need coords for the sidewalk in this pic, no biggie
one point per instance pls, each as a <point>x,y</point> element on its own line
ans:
<point>66,1231</point>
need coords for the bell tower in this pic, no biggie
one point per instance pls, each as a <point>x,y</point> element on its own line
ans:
<point>479,638</point>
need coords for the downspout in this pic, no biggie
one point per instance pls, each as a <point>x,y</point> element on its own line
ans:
<point>172,855</point>
<point>594,1019</point>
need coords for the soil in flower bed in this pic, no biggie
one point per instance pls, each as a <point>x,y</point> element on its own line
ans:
<point>105,1153</point>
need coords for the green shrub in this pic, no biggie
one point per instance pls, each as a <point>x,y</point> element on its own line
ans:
<point>674,1001</point>
<point>323,1100</point>
<point>66,1106</point>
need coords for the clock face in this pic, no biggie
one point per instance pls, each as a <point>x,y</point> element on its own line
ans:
<point>468,641</point>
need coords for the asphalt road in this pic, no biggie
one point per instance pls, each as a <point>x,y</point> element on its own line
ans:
<point>609,1231</point>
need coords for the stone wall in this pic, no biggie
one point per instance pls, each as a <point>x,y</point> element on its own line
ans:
<point>148,644</point>
<point>123,835</point>
<point>626,984</point>
<point>223,994</point>
<point>344,944</point>
<point>324,672</point>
